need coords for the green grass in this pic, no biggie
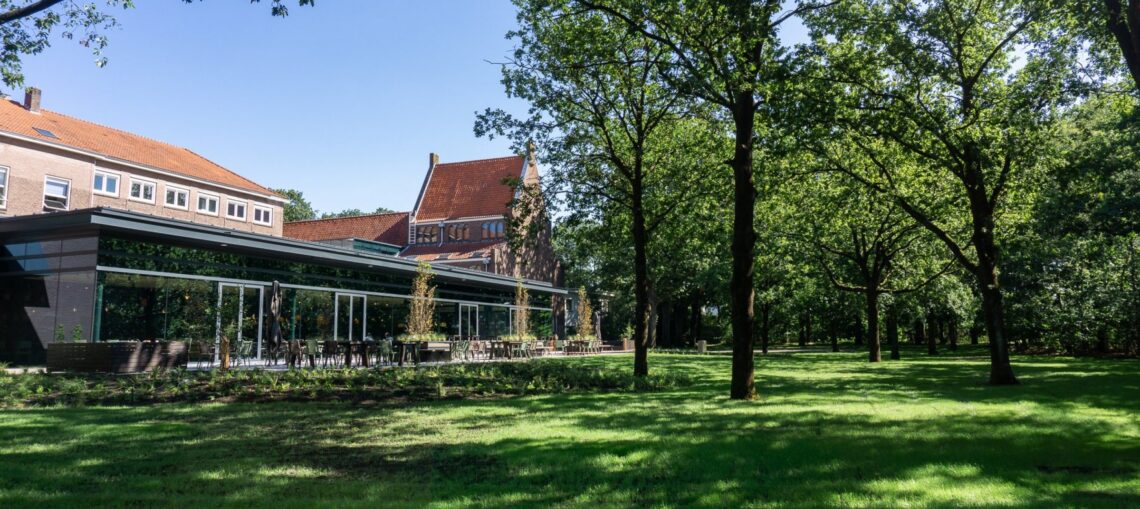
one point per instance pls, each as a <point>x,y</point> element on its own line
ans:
<point>831,430</point>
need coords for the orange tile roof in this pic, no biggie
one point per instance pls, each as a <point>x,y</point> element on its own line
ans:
<point>469,189</point>
<point>390,228</point>
<point>458,251</point>
<point>118,145</point>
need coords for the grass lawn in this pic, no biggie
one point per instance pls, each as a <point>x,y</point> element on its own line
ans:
<point>831,430</point>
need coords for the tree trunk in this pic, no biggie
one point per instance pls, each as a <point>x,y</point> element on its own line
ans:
<point>654,316</point>
<point>875,351</point>
<point>1001,372</point>
<point>765,326</point>
<point>858,330</point>
<point>665,324</point>
<point>803,329</point>
<point>975,331</point>
<point>952,332</point>
<point>919,331</point>
<point>893,331</point>
<point>741,289</point>
<point>695,318</point>
<point>641,313</point>
<point>931,334</point>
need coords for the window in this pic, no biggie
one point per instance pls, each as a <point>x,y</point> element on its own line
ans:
<point>458,232</point>
<point>427,234</point>
<point>3,187</point>
<point>57,194</point>
<point>235,209</point>
<point>142,190</point>
<point>263,215</point>
<point>106,183</point>
<point>493,230</point>
<point>177,197</point>
<point>207,204</point>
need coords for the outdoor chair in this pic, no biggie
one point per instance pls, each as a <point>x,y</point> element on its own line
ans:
<point>312,351</point>
<point>203,351</point>
<point>384,352</point>
<point>330,353</point>
<point>460,350</point>
<point>244,352</point>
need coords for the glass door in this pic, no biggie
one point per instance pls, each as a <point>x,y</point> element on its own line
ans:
<point>351,315</point>
<point>240,310</point>
<point>468,320</point>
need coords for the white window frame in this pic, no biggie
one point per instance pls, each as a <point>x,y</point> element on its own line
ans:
<point>177,189</point>
<point>105,174</point>
<point>143,182</point>
<point>267,210</point>
<point>67,199</point>
<point>217,203</point>
<point>244,209</point>
<point>4,187</point>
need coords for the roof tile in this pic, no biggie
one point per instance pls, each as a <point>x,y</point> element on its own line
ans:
<point>390,228</point>
<point>469,189</point>
<point>118,145</point>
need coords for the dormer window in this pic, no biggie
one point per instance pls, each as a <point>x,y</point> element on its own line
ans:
<point>493,230</point>
<point>427,234</point>
<point>458,232</point>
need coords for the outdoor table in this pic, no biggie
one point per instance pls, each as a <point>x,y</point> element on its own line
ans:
<point>506,346</point>
<point>403,349</point>
<point>349,347</point>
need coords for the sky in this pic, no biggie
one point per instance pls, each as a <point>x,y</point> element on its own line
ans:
<point>343,101</point>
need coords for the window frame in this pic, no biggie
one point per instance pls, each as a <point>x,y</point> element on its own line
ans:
<point>244,209</point>
<point>104,173</point>
<point>177,189</point>
<point>4,187</point>
<point>142,182</point>
<point>267,210</point>
<point>209,196</point>
<point>67,198</point>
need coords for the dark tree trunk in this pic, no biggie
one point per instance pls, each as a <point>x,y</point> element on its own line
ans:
<point>665,324</point>
<point>858,330</point>
<point>952,332</point>
<point>1124,28</point>
<point>893,331</point>
<point>641,313</point>
<point>833,333</point>
<point>975,332</point>
<point>741,289</point>
<point>919,331</point>
<point>1102,340</point>
<point>654,317</point>
<point>1001,372</point>
<point>875,351</point>
<point>765,324</point>
<point>931,333</point>
<point>695,317</point>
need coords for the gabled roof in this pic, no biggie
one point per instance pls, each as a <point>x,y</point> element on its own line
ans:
<point>453,251</point>
<point>468,189</point>
<point>389,228</point>
<point>61,130</point>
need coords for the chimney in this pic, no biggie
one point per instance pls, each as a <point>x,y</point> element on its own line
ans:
<point>433,159</point>
<point>32,99</point>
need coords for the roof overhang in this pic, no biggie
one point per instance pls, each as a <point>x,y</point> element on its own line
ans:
<point>147,226</point>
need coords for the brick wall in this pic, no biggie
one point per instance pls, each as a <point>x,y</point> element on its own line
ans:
<point>28,166</point>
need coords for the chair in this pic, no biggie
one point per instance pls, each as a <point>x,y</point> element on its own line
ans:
<point>244,352</point>
<point>330,353</point>
<point>312,350</point>
<point>384,351</point>
<point>204,351</point>
<point>460,350</point>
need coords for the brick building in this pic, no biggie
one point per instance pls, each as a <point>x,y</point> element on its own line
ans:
<point>50,162</point>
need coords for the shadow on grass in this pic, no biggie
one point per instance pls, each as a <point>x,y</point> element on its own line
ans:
<point>831,430</point>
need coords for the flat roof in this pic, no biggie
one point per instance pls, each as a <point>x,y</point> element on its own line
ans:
<point>146,225</point>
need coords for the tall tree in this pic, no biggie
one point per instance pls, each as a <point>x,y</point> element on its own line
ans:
<point>965,90</point>
<point>726,54</point>
<point>863,243</point>
<point>613,136</point>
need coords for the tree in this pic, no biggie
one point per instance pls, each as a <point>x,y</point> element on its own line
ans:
<point>863,243</point>
<point>421,307</point>
<point>355,212</point>
<point>298,208</point>
<point>27,26</point>
<point>726,54</point>
<point>932,94</point>
<point>613,135</point>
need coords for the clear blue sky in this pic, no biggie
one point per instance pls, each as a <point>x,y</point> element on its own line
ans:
<point>343,101</point>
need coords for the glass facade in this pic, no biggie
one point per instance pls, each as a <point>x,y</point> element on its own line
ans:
<point>112,286</point>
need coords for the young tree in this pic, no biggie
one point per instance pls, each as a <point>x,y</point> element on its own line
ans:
<point>965,91</point>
